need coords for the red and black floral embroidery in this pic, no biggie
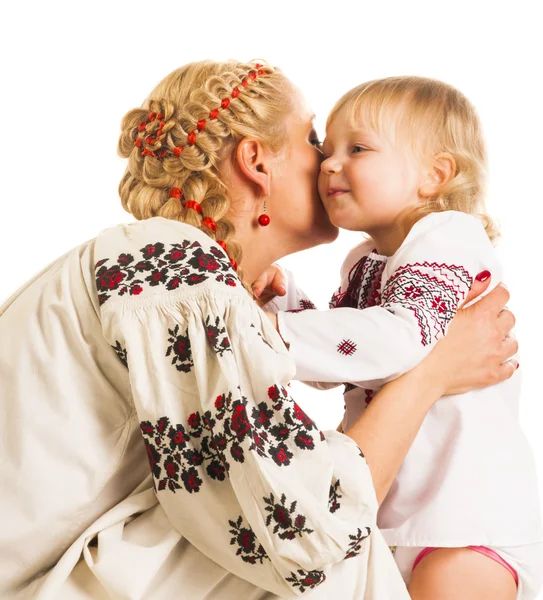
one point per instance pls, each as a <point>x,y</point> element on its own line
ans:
<point>333,499</point>
<point>121,353</point>
<point>356,545</point>
<point>212,440</point>
<point>180,350</point>
<point>184,263</point>
<point>287,524</point>
<point>249,548</point>
<point>431,291</point>
<point>306,580</point>
<point>217,336</point>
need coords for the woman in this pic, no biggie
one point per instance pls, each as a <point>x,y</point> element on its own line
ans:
<point>147,331</point>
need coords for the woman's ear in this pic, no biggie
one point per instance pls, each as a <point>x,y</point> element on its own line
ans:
<point>253,162</point>
<point>441,170</point>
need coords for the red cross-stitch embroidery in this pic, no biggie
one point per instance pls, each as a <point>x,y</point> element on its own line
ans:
<point>432,291</point>
<point>178,453</point>
<point>303,305</point>
<point>356,546</point>
<point>346,347</point>
<point>186,263</point>
<point>306,580</point>
<point>286,523</point>
<point>364,287</point>
<point>334,496</point>
<point>249,548</point>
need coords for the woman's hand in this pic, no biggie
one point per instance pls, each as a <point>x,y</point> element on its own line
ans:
<point>271,283</point>
<point>477,350</point>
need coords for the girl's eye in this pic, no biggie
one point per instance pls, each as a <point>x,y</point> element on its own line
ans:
<point>316,142</point>
<point>358,149</point>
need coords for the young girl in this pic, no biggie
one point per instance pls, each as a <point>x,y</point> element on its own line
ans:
<point>404,163</point>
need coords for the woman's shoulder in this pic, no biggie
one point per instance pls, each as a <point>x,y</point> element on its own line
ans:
<point>136,233</point>
<point>156,256</point>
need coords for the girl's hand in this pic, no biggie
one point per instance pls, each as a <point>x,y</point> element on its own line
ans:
<point>271,283</point>
<point>477,350</point>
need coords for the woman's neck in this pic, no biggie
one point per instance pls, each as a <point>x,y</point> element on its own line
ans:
<point>259,250</point>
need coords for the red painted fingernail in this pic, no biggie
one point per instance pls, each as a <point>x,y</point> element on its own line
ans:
<point>518,365</point>
<point>483,276</point>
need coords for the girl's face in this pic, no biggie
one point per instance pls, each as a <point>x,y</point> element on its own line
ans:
<point>368,181</point>
<point>297,209</point>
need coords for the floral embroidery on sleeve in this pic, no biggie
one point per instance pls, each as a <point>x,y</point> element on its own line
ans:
<point>249,548</point>
<point>180,350</point>
<point>287,524</point>
<point>217,336</point>
<point>177,453</point>
<point>179,264</point>
<point>333,500</point>
<point>121,353</point>
<point>356,546</point>
<point>306,580</point>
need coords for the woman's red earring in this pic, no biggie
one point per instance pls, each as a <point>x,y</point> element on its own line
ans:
<point>264,220</point>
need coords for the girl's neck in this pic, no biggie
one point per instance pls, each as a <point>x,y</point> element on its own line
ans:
<point>389,238</point>
<point>388,241</point>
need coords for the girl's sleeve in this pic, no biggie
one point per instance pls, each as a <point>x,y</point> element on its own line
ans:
<point>239,468</point>
<point>425,282</point>
<point>295,300</point>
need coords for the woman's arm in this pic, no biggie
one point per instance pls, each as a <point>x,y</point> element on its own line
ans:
<point>471,356</point>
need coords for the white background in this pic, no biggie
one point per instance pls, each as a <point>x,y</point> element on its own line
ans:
<point>70,70</point>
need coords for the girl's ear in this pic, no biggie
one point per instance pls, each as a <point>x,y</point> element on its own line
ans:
<point>441,170</point>
<point>253,162</point>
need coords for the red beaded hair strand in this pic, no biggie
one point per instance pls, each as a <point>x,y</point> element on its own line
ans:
<point>222,244</point>
<point>209,223</point>
<point>194,205</point>
<point>176,193</point>
<point>200,126</point>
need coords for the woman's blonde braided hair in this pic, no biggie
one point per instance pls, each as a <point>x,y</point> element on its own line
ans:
<point>190,123</point>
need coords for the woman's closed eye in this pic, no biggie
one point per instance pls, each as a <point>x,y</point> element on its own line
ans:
<point>317,143</point>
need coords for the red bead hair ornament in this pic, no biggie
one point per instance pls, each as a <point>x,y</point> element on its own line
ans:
<point>209,223</point>
<point>194,205</point>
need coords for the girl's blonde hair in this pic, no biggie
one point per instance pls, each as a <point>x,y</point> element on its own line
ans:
<point>433,117</point>
<point>192,121</point>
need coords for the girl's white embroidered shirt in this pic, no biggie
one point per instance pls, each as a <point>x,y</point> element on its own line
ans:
<point>469,478</point>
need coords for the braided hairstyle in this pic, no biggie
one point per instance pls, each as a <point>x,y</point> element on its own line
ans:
<point>190,123</point>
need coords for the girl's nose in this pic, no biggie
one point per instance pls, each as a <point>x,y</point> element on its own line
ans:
<point>330,165</point>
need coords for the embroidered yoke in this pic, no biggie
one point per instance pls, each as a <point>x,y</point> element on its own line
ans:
<point>469,478</point>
